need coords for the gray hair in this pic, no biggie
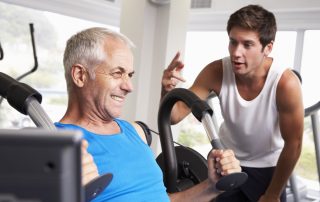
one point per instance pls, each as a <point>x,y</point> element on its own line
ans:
<point>87,48</point>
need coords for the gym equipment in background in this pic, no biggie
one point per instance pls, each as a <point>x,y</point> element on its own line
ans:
<point>1,52</point>
<point>35,67</point>
<point>184,167</point>
<point>27,101</point>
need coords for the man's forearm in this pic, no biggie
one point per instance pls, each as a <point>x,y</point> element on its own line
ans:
<point>286,163</point>
<point>201,193</point>
<point>179,111</point>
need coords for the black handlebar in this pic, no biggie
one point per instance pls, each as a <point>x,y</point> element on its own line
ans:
<point>1,52</point>
<point>202,111</point>
<point>17,93</point>
<point>198,107</point>
<point>35,67</point>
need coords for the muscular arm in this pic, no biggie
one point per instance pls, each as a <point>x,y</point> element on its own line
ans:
<point>291,115</point>
<point>209,79</point>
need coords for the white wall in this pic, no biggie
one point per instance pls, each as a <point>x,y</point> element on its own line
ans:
<point>290,13</point>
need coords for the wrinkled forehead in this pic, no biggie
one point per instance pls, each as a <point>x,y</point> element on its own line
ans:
<point>118,54</point>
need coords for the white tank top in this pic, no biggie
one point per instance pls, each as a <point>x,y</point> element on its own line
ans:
<point>251,128</point>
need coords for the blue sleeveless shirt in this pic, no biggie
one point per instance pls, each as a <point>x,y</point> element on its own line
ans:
<point>136,174</point>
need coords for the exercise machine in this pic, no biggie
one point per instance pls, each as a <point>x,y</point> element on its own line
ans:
<point>27,101</point>
<point>35,67</point>
<point>183,167</point>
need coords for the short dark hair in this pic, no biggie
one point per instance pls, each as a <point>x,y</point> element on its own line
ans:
<point>255,18</point>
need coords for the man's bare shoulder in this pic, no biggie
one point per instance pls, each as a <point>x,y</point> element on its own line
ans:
<point>289,93</point>
<point>288,81</point>
<point>216,64</point>
<point>209,79</point>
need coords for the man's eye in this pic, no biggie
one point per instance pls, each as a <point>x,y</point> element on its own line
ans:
<point>116,75</point>
<point>232,42</point>
<point>248,45</point>
<point>131,74</point>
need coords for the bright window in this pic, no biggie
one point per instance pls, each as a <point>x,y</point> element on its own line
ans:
<point>310,70</point>
<point>51,33</point>
<point>310,73</point>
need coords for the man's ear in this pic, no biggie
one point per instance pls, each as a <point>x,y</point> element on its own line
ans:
<point>267,50</point>
<point>79,75</point>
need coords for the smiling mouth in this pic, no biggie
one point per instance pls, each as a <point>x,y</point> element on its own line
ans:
<point>117,98</point>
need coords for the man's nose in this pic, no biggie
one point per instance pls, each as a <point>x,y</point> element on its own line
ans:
<point>237,50</point>
<point>127,84</point>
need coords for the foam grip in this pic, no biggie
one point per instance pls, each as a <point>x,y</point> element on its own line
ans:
<point>231,181</point>
<point>5,82</point>
<point>18,95</point>
<point>96,186</point>
<point>216,144</point>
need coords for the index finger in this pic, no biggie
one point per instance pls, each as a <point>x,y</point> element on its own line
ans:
<point>175,63</point>
<point>176,57</point>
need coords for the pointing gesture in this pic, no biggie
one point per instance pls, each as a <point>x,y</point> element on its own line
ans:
<point>172,75</point>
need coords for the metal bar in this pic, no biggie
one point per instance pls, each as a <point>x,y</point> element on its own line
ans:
<point>38,115</point>
<point>316,132</point>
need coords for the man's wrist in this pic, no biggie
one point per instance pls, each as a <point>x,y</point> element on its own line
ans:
<point>271,196</point>
<point>163,92</point>
<point>212,187</point>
